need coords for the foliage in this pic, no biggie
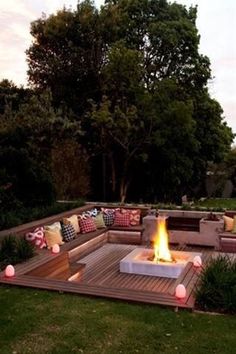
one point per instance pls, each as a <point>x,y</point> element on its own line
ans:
<point>70,170</point>
<point>216,290</point>
<point>25,249</point>
<point>133,73</point>
<point>105,326</point>
<point>27,137</point>
<point>22,215</point>
<point>11,95</point>
<point>14,249</point>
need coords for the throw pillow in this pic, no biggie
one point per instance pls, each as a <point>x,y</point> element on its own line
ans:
<point>122,219</point>
<point>73,220</point>
<point>87,214</point>
<point>135,215</point>
<point>234,225</point>
<point>229,223</point>
<point>109,210</point>
<point>37,237</point>
<point>68,232</point>
<point>52,226</point>
<point>99,222</point>
<point>87,225</point>
<point>108,219</point>
<point>53,237</point>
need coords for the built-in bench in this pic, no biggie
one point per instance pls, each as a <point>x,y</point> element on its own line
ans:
<point>227,238</point>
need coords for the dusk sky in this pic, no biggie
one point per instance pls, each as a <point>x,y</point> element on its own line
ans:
<point>216,24</point>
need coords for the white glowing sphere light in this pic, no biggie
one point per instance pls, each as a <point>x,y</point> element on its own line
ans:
<point>180,291</point>
<point>56,249</point>
<point>9,271</point>
<point>197,261</point>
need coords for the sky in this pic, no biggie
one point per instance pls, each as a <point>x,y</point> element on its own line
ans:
<point>216,24</point>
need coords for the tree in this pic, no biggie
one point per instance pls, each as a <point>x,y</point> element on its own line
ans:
<point>11,95</point>
<point>66,55</point>
<point>27,137</point>
<point>138,64</point>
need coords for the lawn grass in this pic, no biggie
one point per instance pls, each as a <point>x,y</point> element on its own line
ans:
<point>48,322</point>
<point>217,203</point>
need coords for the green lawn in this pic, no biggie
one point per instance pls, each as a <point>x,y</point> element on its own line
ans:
<point>48,322</point>
<point>217,203</point>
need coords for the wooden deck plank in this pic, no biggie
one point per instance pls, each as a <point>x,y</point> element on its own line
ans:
<point>102,278</point>
<point>84,289</point>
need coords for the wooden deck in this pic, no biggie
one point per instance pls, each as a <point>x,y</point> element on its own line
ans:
<point>101,277</point>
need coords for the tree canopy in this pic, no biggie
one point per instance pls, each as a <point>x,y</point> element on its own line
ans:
<point>133,75</point>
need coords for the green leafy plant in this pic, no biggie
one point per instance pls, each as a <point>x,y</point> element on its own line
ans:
<point>8,248</point>
<point>24,249</point>
<point>217,287</point>
<point>14,249</point>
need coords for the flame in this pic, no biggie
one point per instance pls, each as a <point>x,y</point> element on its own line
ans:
<point>161,249</point>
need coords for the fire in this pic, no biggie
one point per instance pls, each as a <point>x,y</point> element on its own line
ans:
<point>161,249</point>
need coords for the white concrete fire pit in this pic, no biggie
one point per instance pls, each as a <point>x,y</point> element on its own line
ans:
<point>139,261</point>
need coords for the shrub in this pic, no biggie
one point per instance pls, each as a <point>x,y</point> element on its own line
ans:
<point>217,287</point>
<point>22,215</point>
<point>8,248</point>
<point>14,249</point>
<point>24,249</point>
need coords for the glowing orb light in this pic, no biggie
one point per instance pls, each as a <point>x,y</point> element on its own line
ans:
<point>55,248</point>
<point>9,271</point>
<point>180,291</point>
<point>197,261</point>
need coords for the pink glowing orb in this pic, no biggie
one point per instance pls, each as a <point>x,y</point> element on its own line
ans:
<point>180,291</point>
<point>55,248</point>
<point>197,261</point>
<point>9,271</point>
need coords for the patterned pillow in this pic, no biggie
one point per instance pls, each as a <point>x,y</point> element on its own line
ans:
<point>134,215</point>
<point>53,237</point>
<point>108,219</point>
<point>109,210</point>
<point>122,219</point>
<point>88,213</point>
<point>87,225</point>
<point>73,220</point>
<point>37,237</point>
<point>99,222</point>
<point>68,232</point>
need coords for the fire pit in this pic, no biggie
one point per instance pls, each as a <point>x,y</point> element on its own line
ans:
<point>160,261</point>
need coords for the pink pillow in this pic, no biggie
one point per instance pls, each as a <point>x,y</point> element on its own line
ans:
<point>109,210</point>
<point>37,237</point>
<point>135,217</point>
<point>87,225</point>
<point>122,219</point>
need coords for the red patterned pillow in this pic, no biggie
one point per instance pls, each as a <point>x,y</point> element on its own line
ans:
<point>109,210</point>
<point>134,215</point>
<point>122,219</point>
<point>87,225</point>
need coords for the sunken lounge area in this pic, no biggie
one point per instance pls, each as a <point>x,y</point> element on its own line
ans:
<point>92,264</point>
